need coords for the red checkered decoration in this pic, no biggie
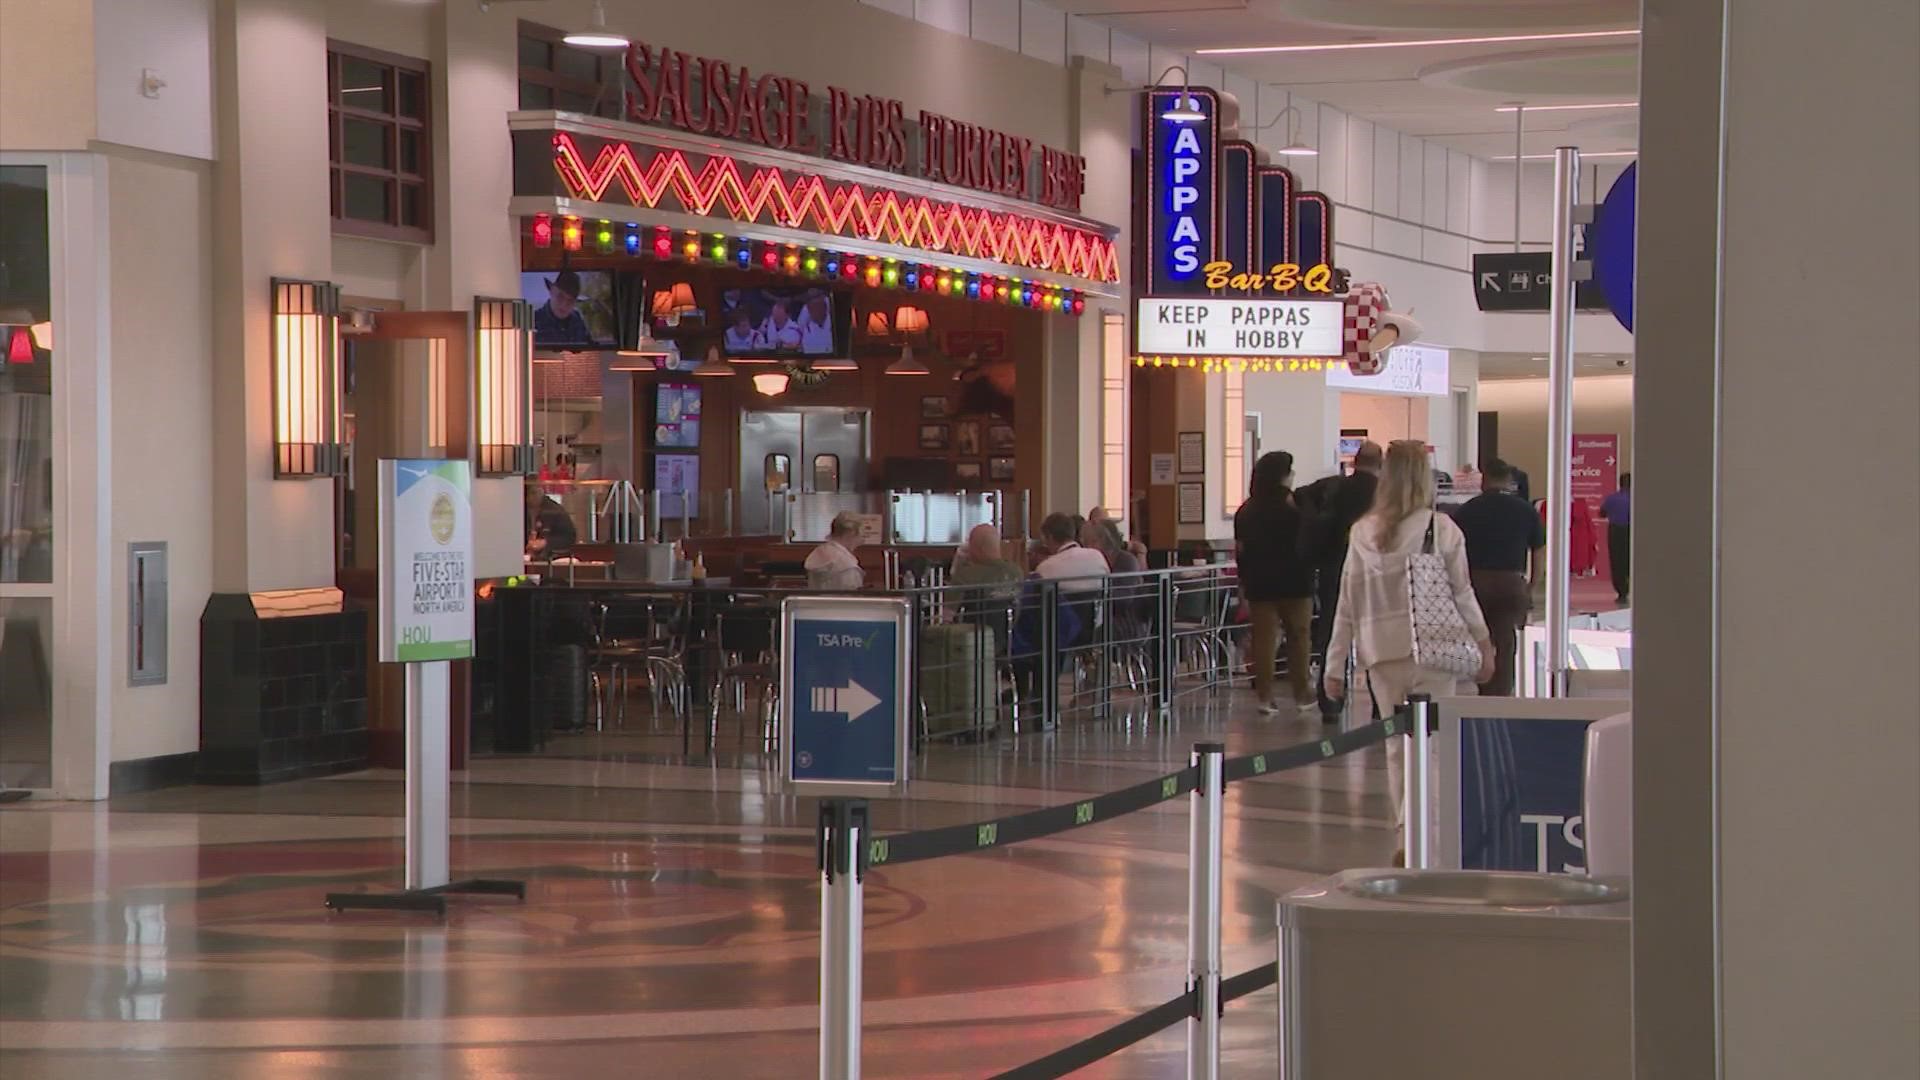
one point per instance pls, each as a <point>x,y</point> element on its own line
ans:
<point>1365,303</point>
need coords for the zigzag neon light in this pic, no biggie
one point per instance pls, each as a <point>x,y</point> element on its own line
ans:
<point>841,209</point>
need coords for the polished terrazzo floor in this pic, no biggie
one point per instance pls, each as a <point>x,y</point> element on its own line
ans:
<point>671,923</point>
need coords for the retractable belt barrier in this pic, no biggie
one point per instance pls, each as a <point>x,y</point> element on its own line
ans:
<point>1205,983</point>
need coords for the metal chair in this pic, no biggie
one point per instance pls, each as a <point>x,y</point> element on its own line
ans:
<point>745,638</point>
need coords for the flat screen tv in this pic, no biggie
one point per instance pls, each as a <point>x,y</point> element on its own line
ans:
<point>677,478</point>
<point>797,322</point>
<point>676,416</point>
<point>572,309</point>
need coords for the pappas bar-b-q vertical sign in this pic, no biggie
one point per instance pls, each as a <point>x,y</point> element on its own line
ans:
<point>1183,201</point>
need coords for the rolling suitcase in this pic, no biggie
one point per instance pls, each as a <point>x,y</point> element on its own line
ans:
<point>957,677</point>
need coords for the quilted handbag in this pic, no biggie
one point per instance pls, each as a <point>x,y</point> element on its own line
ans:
<point>1441,640</point>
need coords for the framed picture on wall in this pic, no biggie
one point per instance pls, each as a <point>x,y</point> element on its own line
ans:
<point>985,346</point>
<point>933,436</point>
<point>1000,469</point>
<point>966,470</point>
<point>933,407</point>
<point>967,438</point>
<point>1000,439</point>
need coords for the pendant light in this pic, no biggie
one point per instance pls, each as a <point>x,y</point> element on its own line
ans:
<point>835,363</point>
<point>713,365</point>
<point>596,35</point>
<point>1294,147</point>
<point>907,365</point>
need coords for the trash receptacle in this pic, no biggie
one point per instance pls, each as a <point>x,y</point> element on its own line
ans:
<point>1445,973</point>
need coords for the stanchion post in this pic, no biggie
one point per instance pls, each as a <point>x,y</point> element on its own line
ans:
<point>842,836</point>
<point>1419,764</point>
<point>1203,912</point>
<point>1166,651</point>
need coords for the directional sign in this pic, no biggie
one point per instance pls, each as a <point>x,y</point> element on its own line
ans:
<point>1523,281</point>
<point>1513,280</point>
<point>844,664</point>
<point>1595,467</point>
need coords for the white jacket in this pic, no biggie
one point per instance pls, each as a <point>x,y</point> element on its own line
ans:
<point>1374,612</point>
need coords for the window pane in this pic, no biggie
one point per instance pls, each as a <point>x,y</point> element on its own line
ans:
<point>26,380</point>
<point>366,85</point>
<point>826,472</point>
<point>413,95</point>
<point>576,64</point>
<point>535,53</point>
<point>535,96</point>
<point>413,205</point>
<point>26,692</point>
<point>778,472</point>
<point>366,198</point>
<point>365,142</point>
<point>411,142</point>
<point>579,103</point>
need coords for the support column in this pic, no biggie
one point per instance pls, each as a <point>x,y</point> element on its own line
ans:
<point>1775,873</point>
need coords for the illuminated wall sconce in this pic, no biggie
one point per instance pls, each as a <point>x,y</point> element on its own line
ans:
<point>771,383</point>
<point>307,440</point>
<point>503,385</point>
<point>877,324</point>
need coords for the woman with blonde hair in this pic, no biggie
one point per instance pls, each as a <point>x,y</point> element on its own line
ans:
<point>1375,617</point>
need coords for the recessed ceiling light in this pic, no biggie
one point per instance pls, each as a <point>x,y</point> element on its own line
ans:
<point>1570,108</point>
<point>1582,35</point>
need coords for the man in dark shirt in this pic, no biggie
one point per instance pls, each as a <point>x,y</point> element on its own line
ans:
<point>1275,579</point>
<point>1617,508</point>
<point>559,321</point>
<point>1337,502</point>
<point>1504,541</point>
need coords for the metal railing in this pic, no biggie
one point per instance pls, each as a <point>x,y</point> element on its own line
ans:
<point>848,852</point>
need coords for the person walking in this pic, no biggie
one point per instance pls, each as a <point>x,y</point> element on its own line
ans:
<point>1374,616</point>
<point>1335,504</point>
<point>1505,542</point>
<point>1275,580</point>
<point>1617,509</point>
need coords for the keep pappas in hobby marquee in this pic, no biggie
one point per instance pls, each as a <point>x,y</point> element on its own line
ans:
<point>1236,263</point>
<point>823,162</point>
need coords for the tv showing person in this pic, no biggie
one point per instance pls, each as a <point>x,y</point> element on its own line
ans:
<point>559,321</point>
<point>781,332</point>
<point>741,336</point>
<point>816,324</point>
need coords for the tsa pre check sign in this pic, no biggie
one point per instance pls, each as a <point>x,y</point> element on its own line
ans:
<point>1220,327</point>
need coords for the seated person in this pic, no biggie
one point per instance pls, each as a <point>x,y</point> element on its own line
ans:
<point>832,565</point>
<point>987,584</point>
<point>1077,568</point>
<point>550,530</point>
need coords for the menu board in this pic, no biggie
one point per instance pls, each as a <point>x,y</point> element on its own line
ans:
<point>676,416</point>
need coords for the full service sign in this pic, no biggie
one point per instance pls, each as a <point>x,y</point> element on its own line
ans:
<point>843,667</point>
<point>705,96</point>
<point>426,561</point>
<point>1224,327</point>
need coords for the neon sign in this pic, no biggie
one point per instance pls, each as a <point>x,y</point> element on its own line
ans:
<point>1280,278</point>
<point>1183,198</point>
<point>717,185</point>
<point>705,96</point>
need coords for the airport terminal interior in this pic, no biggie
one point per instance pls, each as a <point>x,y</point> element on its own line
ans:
<point>959,538</point>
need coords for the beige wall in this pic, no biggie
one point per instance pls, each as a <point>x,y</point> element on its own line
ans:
<point>1777,601</point>
<point>160,208</point>
<point>1602,404</point>
<point>46,74</point>
<point>271,220</point>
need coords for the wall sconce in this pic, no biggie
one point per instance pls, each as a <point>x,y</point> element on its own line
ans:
<point>877,324</point>
<point>771,383</point>
<point>662,304</point>
<point>306,380</point>
<point>503,385</point>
